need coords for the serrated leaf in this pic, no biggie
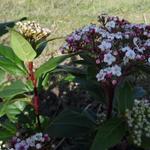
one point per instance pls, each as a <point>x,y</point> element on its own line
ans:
<point>22,47</point>
<point>109,134</point>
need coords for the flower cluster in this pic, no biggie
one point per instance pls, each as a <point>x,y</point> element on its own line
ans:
<point>138,120</point>
<point>115,44</point>
<point>32,30</point>
<point>36,141</point>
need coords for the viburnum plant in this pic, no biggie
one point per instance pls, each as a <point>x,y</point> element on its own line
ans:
<point>113,52</point>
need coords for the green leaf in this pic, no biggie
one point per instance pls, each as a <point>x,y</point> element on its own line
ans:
<point>8,53</point>
<point>139,92</point>
<point>22,47</point>
<point>144,68</point>
<point>5,134</point>
<point>15,88</point>
<point>51,64</point>
<point>3,108</point>
<point>12,68</point>
<point>12,108</point>
<point>4,26</point>
<point>80,72</point>
<point>145,143</point>
<point>2,76</point>
<point>70,124</point>
<point>124,96</point>
<point>109,134</point>
<point>9,127</point>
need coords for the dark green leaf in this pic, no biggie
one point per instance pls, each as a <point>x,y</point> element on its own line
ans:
<point>145,143</point>
<point>78,72</point>
<point>5,134</point>
<point>139,92</point>
<point>70,124</point>
<point>51,64</point>
<point>5,25</point>
<point>124,96</point>
<point>109,134</point>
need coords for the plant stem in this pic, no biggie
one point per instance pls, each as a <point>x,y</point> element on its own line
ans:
<point>35,97</point>
<point>110,100</point>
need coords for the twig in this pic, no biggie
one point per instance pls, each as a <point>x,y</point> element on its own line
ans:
<point>59,144</point>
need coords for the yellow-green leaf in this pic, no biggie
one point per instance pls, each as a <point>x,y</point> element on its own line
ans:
<point>22,47</point>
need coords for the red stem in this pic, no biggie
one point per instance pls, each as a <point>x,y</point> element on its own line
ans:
<point>35,97</point>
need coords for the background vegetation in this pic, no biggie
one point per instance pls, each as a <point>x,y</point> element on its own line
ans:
<point>64,16</point>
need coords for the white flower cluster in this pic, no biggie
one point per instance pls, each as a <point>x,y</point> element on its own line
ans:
<point>115,45</point>
<point>108,72</point>
<point>35,141</point>
<point>32,30</point>
<point>138,120</point>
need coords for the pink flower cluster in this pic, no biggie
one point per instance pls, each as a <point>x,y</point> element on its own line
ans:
<point>115,44</point>
<point>35,141</point>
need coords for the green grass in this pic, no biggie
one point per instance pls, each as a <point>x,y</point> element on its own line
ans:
<point>63,16</point>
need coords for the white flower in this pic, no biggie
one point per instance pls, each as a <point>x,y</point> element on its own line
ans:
<point>108,70</point>
<point>76,37</point>
<point>105,45</point>
<point>38,146</point>
<point>110,36</point>
<point>101,75</point>
<point>30,141</point>
<point>116,70</point>
<point>109,58</point>
<point>147,43</point>
<point>86,28</point>
<point>111,24</point>
<point>130,54</point>
<point>103,72</point>
<point>126,48</point>
<point>149,60</point>
<point>37,137</point>
<point>126,36</point>
<point>118,35</point>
